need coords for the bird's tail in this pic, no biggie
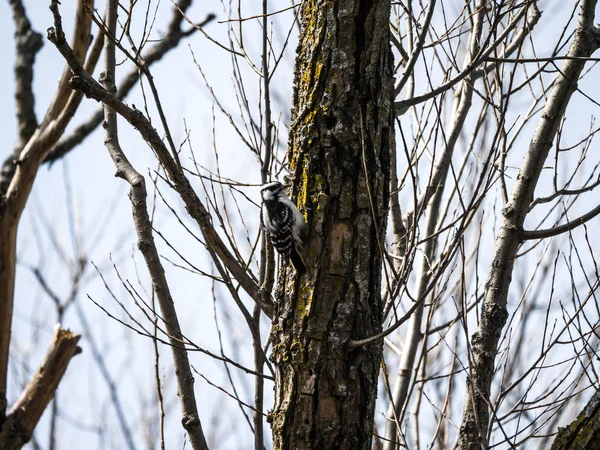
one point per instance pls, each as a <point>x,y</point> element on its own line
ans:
<point>297,261</point>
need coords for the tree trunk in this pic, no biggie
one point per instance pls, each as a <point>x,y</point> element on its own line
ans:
<point>584,432</point>
<point>340,137</point>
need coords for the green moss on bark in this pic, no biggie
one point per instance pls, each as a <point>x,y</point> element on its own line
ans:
<point>340,137</point>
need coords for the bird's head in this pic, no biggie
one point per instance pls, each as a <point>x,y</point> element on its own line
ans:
<point>271,191</point>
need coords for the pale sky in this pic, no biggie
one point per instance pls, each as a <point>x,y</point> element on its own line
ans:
<point>90,172</point>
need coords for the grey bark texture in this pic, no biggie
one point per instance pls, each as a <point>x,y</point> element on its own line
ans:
<point>340,138</point>
<point>27,44</point>
<point>474,431</point>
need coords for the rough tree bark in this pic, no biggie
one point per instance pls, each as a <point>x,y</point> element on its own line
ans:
<point>474,431</point>
<point>341,132</point>
<point>584,432</point>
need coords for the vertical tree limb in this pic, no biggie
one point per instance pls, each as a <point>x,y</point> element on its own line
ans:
<point>146,245</point>
<point>461,107</point>
<point>266,275</point>
<point>474,429</point>
<point>27,44</point>
<point>12,202</point>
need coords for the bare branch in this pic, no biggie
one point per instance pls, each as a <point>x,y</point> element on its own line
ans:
<point>169,42</point>
<point>80,43</point>
<point>83,82</point>
<point>410,65</point>
<point>26,412</point>
<point>403,105</point>
<point>473,433</point>
<point>406,368</point>
<point>28,43</point>
<point>555,231</point>
<point>47,133</point>
<point>146,245</point>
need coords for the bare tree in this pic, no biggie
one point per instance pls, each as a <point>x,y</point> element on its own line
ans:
<point>35,143</point>
<point>493,313</point>
<point>440,154</point>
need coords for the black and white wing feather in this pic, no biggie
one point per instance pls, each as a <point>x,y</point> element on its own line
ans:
<point>279,219</point>
<point>280,229</point>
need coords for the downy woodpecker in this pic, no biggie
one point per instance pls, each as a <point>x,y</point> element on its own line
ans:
<point>284,223</point>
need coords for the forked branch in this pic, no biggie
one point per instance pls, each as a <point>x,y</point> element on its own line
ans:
<point>476,414</point>
<point>83,82</point>
<point>19,184</point>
